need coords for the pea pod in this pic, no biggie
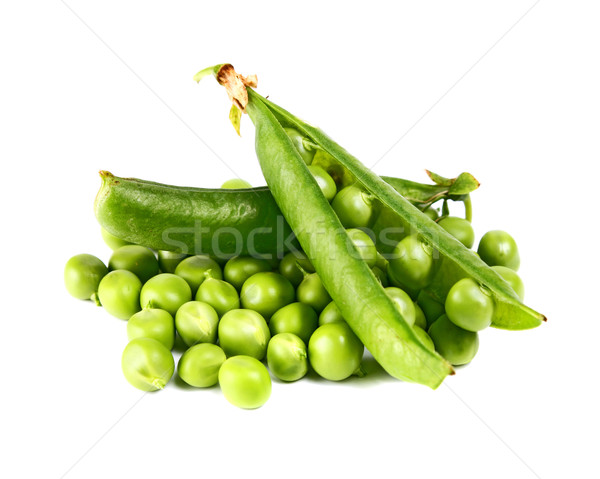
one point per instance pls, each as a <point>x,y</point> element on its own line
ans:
<point>202,220</point>
<point>348,279</point>
<point>511,313</point>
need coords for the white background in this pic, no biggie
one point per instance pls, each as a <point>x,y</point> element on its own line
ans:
<point>449,86</point>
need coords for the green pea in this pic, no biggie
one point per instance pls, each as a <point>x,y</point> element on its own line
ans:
<point>196,269</point>
<point>287,357</point>
<point>147,364</point>
<point>513,279</point>
<point>424,337</point>
<point>381,276</point>
<point>296,318</point>
<point>334,351</point>
<point>455,344</point>
<point>236,184</point>
<point>395,282</point>
<point>412,262</point>
<point>168,260</point>
<point>288,267</point>
<point>199,365</point>
<point>353,206</point>
<point>381,262</point>
<point>420,319</point>
<point>330,314</point>
<point>498,248</point>
<point>312,292</point>
<point>83,274</point>
<point>165,291</point>
<point>304,262</point>
<point>244,332</point>
<point>196,322</point>
<point>469,306</point>
<point>432,213</point>
<point>152,323</point>
<point>325,182</point>
<point>266,293</point>
<point>300,143</point>
<point>240,268</point>
<point>460,228</point>
<point>245,382</point>
<point>431,308</point>
<point>219,294</point>
<point>404,304</point>
<point>119,293</point>
<point>364,244</point>
<point>137,259</point>
<point>112,241</point>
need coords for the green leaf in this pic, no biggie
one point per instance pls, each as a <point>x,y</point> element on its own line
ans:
<point>464,184</point>
<point>512,313</point>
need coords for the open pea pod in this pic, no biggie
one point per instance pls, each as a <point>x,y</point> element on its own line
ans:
<point>459,261</point>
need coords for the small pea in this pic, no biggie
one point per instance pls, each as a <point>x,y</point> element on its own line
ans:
<point>404,304</point>
<point>334,351</point>
<point>420,319</point>
<point>296,318</point>
<point>364,245</point>
<point>515,281</point>
<point>424,337</point>
<point>196,322</point>
<point>330,314</point>
<point>137,259</point>
<point>266,292</point>
<point>455,344</point>
<point>112,241</point>
<point>165,291</point>
<point>325,182</point>
<point>236,184</point>
<point>168,260</point>
<point>119,293</point>
<point>312,292</point>
<point>196,269</point>
<point>353,206</point>
<point>219,294</point>
<point>460,228</point>
<point>238,269</point>
<point>245,332</point>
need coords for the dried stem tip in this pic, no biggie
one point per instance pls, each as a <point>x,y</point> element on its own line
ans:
<point>236,84</point>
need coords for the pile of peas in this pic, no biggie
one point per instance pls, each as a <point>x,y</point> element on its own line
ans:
<point>234,317</point>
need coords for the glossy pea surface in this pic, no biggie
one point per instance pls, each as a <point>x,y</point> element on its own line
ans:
<point>404,304</point>
<point>219,294</point>
<point>152,323</point>
<point>312,292</point>
<point>412,262</point>
<point>330,314</point>
<point>197,322</point>
<point>288,268</point>
<point>431,308</point>
<point>244,332</point>
<point>165,291</point>
<point>469,306</point>
<point>82,275</point>
<point>236,184</point>
<point>238,269</point>
<point>460,228</point>
<point>457,345</point>
<point>424,337</point>
<point>296,318</point>
<point>147,364</point>
<point>137,259</point>
<point>266,292</point>
<point>196,269</point>
<point>420,319</point>
<point>334,351</point>
<point>498,248</point>
<point>245,382</point>
<point>168,260</point>
<point>364,245</point>
<point>199,365</point>
<point>287,357</point>
<point>513,279</point>
<point>325,182</point>
<point>119,293</point>
<point>353,206</point>
<point>297,139</point>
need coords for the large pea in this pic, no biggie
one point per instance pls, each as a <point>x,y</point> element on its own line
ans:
<point>152,323</point>
<point>119,293</point>
<point>460,228</point>
<point>137,259</point>
<point>147,364</point>
<point>296,318</point>
<point>243,331</point>
<point>238,269</point>
<point>220,295</point>
<point>266,292</point>
<point>245,382</point>
<point>287,357</point>
<point>353,206</point>
<point>413,263</point>
<point>196,269</point>
<point>196,322</point>
<point>199,365</point>
<point>83,274</point>
<point>455,344</point>
<point>165,291</point>
<point>334,351</point>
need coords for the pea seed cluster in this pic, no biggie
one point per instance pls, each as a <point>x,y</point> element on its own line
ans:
<point>234,317</point>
